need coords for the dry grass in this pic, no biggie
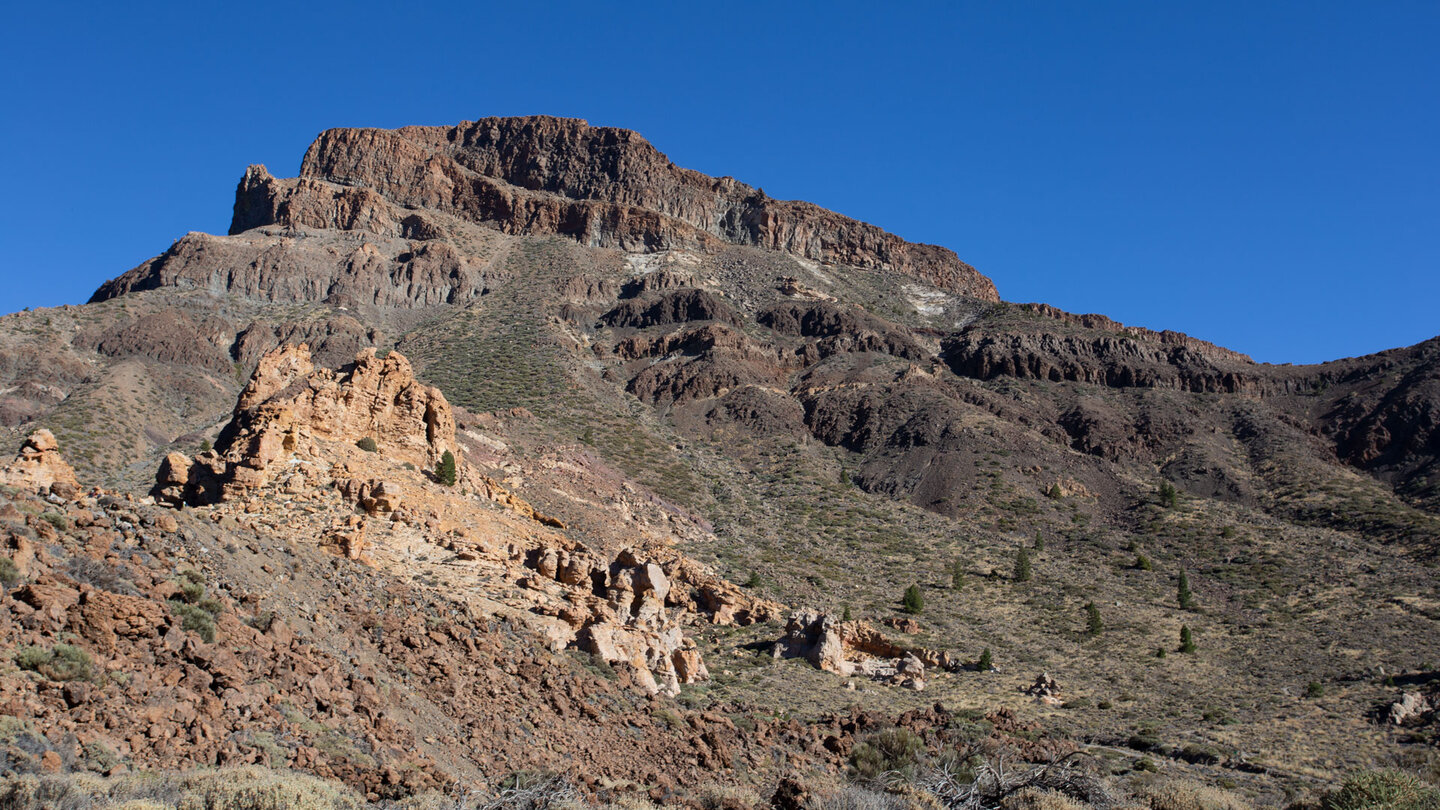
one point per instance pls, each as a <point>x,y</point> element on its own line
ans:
<point>247,788</point>
<point>1180,794</point>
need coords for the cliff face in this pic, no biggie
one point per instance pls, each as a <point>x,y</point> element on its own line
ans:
<point>602,186</point>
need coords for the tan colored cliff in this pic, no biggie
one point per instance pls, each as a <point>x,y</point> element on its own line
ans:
<point>39,466</point>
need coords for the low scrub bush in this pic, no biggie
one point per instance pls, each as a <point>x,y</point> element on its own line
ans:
<point>1383,790</point>
<point>894,750</point>
<point>247,788</point>
<point>63,662</point>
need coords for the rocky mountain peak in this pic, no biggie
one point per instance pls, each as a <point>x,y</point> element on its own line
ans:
<point>602,186</point>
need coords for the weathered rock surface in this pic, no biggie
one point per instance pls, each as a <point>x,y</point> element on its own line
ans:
<point>289,405</point>
<point>39,466</point>
<point>605,187</point>
<point>1410,708</point>
<point>857,648</point>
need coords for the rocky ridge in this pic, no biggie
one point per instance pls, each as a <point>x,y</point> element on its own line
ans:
<point>298,433</point>
<point>603,187</point>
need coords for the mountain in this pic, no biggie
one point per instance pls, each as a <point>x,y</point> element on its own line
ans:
<point>656,385</point>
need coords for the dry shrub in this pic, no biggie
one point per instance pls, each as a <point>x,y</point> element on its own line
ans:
<point>248,788</point>
<point>853,797</point>
<point>1037,799</point>
<point>1183,794</point>
<point>728,797</point>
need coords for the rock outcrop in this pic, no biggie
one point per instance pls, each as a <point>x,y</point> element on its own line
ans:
<point>1412,707</point>
<point>347,438</point>
<point>342,268</point>
<point>39,466</point>
<point>289,405</point>
<point>858,648</point>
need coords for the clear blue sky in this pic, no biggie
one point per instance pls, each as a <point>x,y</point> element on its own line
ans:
<point>1263,175</point>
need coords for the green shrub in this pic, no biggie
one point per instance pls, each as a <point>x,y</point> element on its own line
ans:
<point>845,616</point>
<point>9,572</point>
<point>445,470</point>
<point>1187,641</point>
<point>1383,790</point>
<point>1142,563</point>
<point>195,619</point>
<point>1039,541</point>
<point>367,444</point>
<point>191,592</point>
<point>59,521</point>
<point>63,662</point>
<point>1168,496</point>
<point>1093,625</point>
<point>894,750</point>
<point>986,662</point>
<point>32,656</point>
<point>913,602</point>
<point>1183,594</point>
<point>957,574</point>
<point>1314,690</point>
<point>754,580</point>
<point>1022,565</point>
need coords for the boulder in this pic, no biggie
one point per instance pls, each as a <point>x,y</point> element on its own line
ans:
<point>1411,706</point>
<point>39,467</point>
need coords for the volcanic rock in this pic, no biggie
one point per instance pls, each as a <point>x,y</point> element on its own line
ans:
<point>39,466</point>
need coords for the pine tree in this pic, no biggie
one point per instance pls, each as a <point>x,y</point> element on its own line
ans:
<point>1168,496</point>
<point>445,470</point>
<point>1039,541</point>
<point>845,617</point>
<point>1187,641</point>
<point>957,574</point>
<point>1093,625</point>
<point>1186,598</point>
<point>913,602</point>
<point>1022,565</point>
<point>986,663</point>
